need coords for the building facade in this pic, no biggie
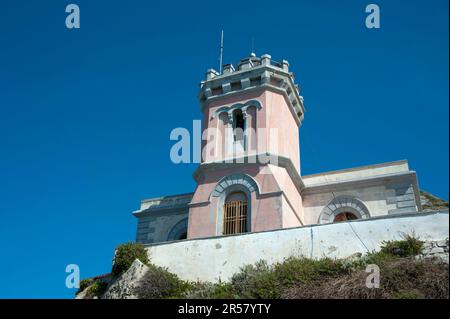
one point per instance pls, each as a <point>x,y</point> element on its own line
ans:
<point>249,178</point>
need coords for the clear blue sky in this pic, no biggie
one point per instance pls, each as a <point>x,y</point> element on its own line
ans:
<point>85,115</point>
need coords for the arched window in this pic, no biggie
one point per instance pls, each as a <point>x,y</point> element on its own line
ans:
<point>179,231</point>
<point>238,126</point>
<point>343,208</point>
<point>235,214</point>
<point>344,216</point>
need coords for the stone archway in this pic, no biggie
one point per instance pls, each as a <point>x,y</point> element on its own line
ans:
<point>179,231</point>
<point>235,179</point>
<point>343,204</point>
<point>235,183</point>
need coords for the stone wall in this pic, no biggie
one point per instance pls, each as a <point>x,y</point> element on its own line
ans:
<point>218,258</point>
<point>158,227</point>
<point>384,189</point>
<point>162,219</point>
<point>435,251</point>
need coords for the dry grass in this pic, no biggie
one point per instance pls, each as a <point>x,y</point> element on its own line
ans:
<point>399,278</point>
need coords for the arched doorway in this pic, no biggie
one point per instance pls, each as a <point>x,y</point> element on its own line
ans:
<point>235,213</point>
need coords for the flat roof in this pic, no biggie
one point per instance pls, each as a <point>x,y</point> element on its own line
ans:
<point>358,168</point>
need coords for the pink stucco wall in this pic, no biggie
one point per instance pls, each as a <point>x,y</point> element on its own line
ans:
<point>278,204</point>
<point>266,207</point>
<point>282,130</point>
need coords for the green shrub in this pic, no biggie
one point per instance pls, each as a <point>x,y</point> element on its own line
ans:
<point>158,283</point>
<point>378,258</point>
<point>97,289</point>
<point>255,281</point>
<point>391,250</point>
<point>126,254</point>
<point>207,290</point>
<point>84,284</point>
<point>264,281</point>
<point>409,246</point>
<point>298,270</point>
<point>223,290</point>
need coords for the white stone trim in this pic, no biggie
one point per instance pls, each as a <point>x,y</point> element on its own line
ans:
<point>235,179</point>
<point>238,106</point>
<point>342,204</point>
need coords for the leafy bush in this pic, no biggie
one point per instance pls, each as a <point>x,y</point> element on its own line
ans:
<point>84,283</point>
<point>255,281</point>
<point>126,254</point>
<point>264,281</point>
<point>401,277</point>
<point>391,250</point>
<point>409,246</point>
<point>97,289</point>
<point>294,270</point>
<point>207,290</point>
<point>158,283</point>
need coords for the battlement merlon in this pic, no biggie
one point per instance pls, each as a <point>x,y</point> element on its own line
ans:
<point>253,73</point>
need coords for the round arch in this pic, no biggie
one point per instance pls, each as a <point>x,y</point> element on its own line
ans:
<point>232,184</point>
<point>245,182</point>
<point>238,106</point>
<point>179,230</point>
<point>343,204</point>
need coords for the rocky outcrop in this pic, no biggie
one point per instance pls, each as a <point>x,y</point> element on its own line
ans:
<point>124,287</point>
<point>436,251</point>
<point>430,202</point>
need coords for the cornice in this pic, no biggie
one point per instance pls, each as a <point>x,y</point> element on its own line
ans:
<point>281,161</point>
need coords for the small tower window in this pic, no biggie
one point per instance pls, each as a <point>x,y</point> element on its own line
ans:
<point>235,214</point>
<point>239,126</point>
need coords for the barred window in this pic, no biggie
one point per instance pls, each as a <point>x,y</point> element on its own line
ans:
<point>235,214</point>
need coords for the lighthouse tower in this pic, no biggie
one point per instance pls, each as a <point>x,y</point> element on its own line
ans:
<point>249,176</point>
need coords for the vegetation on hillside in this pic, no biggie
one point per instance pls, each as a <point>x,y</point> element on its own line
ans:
<point>432,203</point>
<point>126,254</point>
<point>402,276</point>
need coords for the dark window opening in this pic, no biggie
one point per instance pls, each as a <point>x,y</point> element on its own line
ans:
<point>239,126</point>
<point>344,216</point>
<point>255,81</point>
<point>183,236</point>
<point>217,91</point>
<point>235,86</point>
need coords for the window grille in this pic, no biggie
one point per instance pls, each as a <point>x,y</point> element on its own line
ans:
<point>235,217</point>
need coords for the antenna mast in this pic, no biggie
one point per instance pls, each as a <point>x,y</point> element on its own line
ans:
<point>221,53</point>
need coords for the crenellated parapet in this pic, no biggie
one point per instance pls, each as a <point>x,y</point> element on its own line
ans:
<point>253,73</point>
